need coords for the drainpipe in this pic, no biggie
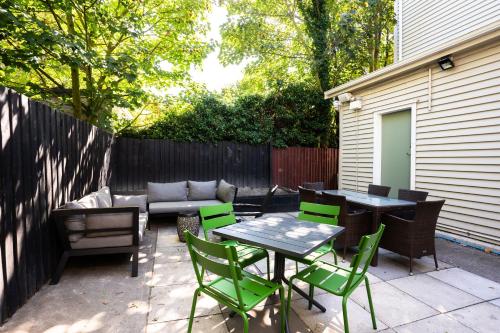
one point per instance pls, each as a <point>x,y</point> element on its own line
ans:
<point>429,91</point>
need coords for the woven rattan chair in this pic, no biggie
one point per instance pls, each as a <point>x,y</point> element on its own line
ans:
<point>380,190</point>
<point>356,224</point>
<point>413,238</point>
<point>307,195</point>
<point>409,195</point>
<point>317,186</point>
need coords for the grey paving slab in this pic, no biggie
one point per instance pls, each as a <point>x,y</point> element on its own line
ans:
<point>205,324</point>
<point>437,324</point>
<point>265,319</point>
<point>469,282</point>
<point>483,318</point>
<point>439,295</point>
<point>496,302</point>
<point>174,302</point>
<point>332,320</point>
<point>173,273</point>
<point>172,254</point>
<point>393,306</point>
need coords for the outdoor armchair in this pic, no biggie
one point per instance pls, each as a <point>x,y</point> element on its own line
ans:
<point>380,190</point>
<point>240,291</point>
<point>307,195</point>
<point>222,215</point>
<point>255,210</point>
<point>317,186</point>
<point>413,238</point>
<point>409,195</point>
<point>342,281</point>
<point>356,223</point>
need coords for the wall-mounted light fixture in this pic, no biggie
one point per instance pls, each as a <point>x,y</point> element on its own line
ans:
<point>345,97</point>
<point>446,62</point>
<point>356,105</point>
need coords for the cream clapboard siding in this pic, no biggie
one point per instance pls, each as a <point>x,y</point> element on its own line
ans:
<point>430,23</point>
<point>457,141</point>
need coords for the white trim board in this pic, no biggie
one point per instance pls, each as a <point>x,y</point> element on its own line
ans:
<point>377,142</point>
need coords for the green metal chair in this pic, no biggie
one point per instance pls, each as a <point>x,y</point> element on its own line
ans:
<point>217,216</point>
<point>317,213</point>
<point>342,281</point>
<point>234,288</point>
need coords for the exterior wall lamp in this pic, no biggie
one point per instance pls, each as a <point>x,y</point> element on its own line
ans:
<point>446,62</point>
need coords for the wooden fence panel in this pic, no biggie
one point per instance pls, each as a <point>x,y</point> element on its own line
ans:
<point>295,165</point>
<point>46,159</point>
<point>136,162</point>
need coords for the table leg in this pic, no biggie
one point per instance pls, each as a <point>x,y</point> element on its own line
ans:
<point>375,224</point>
<point>279,277</point>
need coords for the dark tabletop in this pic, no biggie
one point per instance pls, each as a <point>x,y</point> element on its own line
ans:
<point>370,199</point>
<point>286,235</point>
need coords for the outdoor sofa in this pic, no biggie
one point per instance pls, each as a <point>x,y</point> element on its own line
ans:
<point>188,196</point>
<point>100,223</point>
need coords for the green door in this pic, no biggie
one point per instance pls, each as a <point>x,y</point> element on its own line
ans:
<point>396,151</point>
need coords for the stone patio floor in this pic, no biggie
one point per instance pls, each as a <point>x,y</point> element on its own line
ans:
<point>98,295</point>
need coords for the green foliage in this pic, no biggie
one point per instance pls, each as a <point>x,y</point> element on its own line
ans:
<point>99,54</point>
<point>287,116</point>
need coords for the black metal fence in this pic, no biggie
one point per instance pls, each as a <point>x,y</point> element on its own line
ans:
<point>135,162</point>
<point>46,158</point>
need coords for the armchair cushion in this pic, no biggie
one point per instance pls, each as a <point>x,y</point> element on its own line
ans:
<point>107,221</point>
<point>74,222</point>
<point>225,191</point>
<point>202,190</point>
<point>103,197</point>
<point>131,200</point>
<point>162,192</point>
<point>89,201</point>
<point>100,242</point>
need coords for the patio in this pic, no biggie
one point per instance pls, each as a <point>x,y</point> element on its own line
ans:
<point>98,295</point>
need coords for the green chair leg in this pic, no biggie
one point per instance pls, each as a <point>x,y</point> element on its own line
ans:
<point>282,309</point>
<point>335,257</point>
<point>289,301</point>
<point>311,296</point>
<point>193,308</point>
<point>344,314</point>
<point>372,311</point>
<point>245,322</point>
<point>296,267</point>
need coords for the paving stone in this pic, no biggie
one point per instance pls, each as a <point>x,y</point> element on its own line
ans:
<point>172,254</point>
<point>332,320</point>
<point>173,273</point>
<point>483,318</point>
<point>392,306</point>
<point>174,302</point>
<point>471,283</point>
<point>437,324</point>
<point>496,302</point>
<point>265,319</point>
<point>439,295</point>
<point>206,324</point>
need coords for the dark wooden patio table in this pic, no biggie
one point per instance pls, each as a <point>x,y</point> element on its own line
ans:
<point>374,203</point>
<point>284,236</point>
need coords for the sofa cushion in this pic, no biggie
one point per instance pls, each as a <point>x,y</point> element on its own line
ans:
<point>131,200</point>
<point>158,192</point>
<point>175,207</point>
<point>106,221</point>
<point>225,191</point>
<point>89,201</point>
<point>100,242</point>
<point>74,222</point>
<point>202,190</point>
<point>103,197</point>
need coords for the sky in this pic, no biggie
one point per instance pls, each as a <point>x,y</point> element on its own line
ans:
<point>212,73</point>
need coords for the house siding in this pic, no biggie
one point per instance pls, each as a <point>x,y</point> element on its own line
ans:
<point>430,23</point>
<point>457,141</point>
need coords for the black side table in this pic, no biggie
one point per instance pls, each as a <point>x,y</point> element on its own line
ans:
<point>187,221</point>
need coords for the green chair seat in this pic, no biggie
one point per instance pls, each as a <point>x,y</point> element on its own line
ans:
<point>247,254</point>
<point>328,277</point>
<point>254,290</point>
<point>318,253</point>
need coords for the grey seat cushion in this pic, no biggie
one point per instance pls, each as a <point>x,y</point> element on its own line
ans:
<point>225,191</point>
<point>107,221</point>
<point>100,242</point>
<point>175,207</point>
<point>160,192</point>
<point>202,190</point>
<point>103,197</point>
<point>131,200</point>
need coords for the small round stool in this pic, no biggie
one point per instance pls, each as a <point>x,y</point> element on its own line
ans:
<point>187,221</point>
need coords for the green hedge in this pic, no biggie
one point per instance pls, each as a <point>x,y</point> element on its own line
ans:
<point>291,116</point>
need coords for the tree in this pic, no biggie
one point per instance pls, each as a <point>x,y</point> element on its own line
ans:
<point>90,56</point>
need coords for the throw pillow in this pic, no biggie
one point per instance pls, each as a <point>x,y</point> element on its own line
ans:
<point>161,192</point>
<point>131,200</point>
<point>225,191</point>
<point>202,190</point>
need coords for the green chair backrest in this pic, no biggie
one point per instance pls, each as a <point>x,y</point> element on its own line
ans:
<point>216,258</point>
<point>319,213</point>
<point>366,250</point>
<point>216,216</point>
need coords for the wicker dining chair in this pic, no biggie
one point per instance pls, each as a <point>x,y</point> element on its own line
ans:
<point>307,195</point>
<point>356,224</point>
<point>317,186</point>
<point>413,238</point>
<point>380,190</point>
<point>409,195</point>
